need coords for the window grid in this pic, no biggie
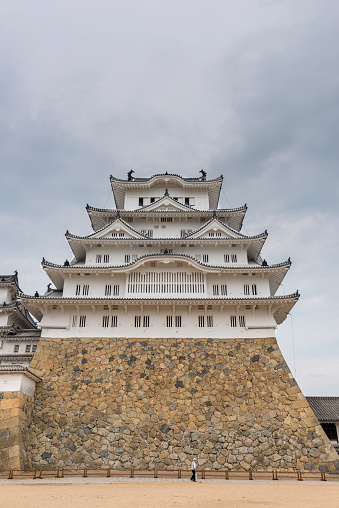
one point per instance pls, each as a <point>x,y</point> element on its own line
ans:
<point>201,321</point>
<point>114,321</point>
<point>106,258</point>
<point>82,321</point>
<point>108,290</point>
<point>226,258</point>
<point>74,321</point>
<point>98,258</point>
<point>205,258</point>
<point>254,289</point>
<point>85,289</point>
<point>209,321</point>
<point>16,348</point>
<point>246,289</point>
<point>233,321</point>
<point>223,289</point>
<point>34,348</point>
<point>234,258</point>
<point>105,321</point>
<point>165,282</point>
<point>178,321</point>
<point>137,321</point>
<point>77,289</point>
<point>215,290</point>
<point>145,321</point>
<point>242,321</point>
<point>169,321</point>
<point>127,258</point>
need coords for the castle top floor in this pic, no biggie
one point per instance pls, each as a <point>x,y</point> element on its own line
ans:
<point>135,193</point>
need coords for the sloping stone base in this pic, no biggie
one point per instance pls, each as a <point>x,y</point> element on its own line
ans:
<point>230,403</point>
<point>15,418</point>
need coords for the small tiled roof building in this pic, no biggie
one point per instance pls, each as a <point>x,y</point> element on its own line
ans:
<point>326,409</point>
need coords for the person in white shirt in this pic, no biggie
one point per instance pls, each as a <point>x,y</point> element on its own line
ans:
<point>194,471</point>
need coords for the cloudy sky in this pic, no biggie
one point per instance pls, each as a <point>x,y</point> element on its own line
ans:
<point>247,89</point>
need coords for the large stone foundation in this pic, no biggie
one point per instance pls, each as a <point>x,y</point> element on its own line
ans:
<point>15,418</point>
<point>158,402</point>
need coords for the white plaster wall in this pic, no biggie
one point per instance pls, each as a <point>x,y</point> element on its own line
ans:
<point>214,250</point>
<point>7,346</point>
<point>200,196</point>
<point>260,318</point>
<point>235,282</point>
<point>16,382</point>
<point>6,294</point>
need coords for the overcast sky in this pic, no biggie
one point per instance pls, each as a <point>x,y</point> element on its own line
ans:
<point>248,89</point>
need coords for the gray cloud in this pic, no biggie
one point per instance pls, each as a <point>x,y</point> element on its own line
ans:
<point>247,89</point>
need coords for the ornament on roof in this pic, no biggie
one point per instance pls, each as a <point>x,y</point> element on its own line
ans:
<point>129,175</point>
<point>203,174</point>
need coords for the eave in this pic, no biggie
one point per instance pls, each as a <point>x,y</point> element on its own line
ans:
<point>254,244</point>
<point>280,306</point>
<point>100,217</point>
<point>58,273</point>
<point>19,369</point>
<point>119,187</point>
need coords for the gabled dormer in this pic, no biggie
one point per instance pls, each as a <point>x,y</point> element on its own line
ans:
<point>166,203</point>
<point>214,228</point>
<point>118,228</point>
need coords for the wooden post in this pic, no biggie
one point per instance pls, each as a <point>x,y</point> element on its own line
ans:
<point>85,472</point>
<point>203,474</point>
<point>132,473</point>
<point>227,475</point>
<point>108,473</point>
<point>179,473</point>
<point>250,474</point>
<point>155,473</point>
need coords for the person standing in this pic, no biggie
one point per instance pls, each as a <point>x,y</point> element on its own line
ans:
<point>194,471</point>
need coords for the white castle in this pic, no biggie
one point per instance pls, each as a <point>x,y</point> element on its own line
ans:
<point>165,263</point>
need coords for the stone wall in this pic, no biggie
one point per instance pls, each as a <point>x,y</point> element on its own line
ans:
<point>15,418</point>
<point>159,402</point>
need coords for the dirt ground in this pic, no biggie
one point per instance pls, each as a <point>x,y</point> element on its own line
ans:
<point>170,495</point>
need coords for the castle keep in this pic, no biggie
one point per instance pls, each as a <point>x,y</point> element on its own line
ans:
<point>158,342</point>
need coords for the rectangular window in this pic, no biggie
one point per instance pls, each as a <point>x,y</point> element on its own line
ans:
<point>28,348</point>
<point>242,321</point>
<point>77,289</point>
<point>152,200</point>
<point>116,288</point>
<point>223,290</point>
<point>134,257</point>
<point>146,321</point>
<point>114,234</point>
<point>166,219</point>
<point>141,201</point>
<point>198,257</point>
<point>205,258</point>
<point>246,289</point>
<point>127,258</point>
<point>74,321</point>
<point>169,321</point>
<point>106,258</point>
<point>218,235</point>
<point>234,258</point>
<point>210,235</point>
<point>130,219</point>
<point>226,258</point>
<point>108,290</point>
<point>254,289</point>
<point>215,290</point>
<point>233,321</point>
<point>34,347</point>
<point>98,258</point>
<point>137,321</point>
<point>209,321</point>
<point>121,235</point>
<point>85,289</point>
<point>187,201</point>
<point>178,321</point>
<point>82,321</point>
<point>16,348</point>
<point>201,321</point>
<point>114,322</point>
<point>105,321</point>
